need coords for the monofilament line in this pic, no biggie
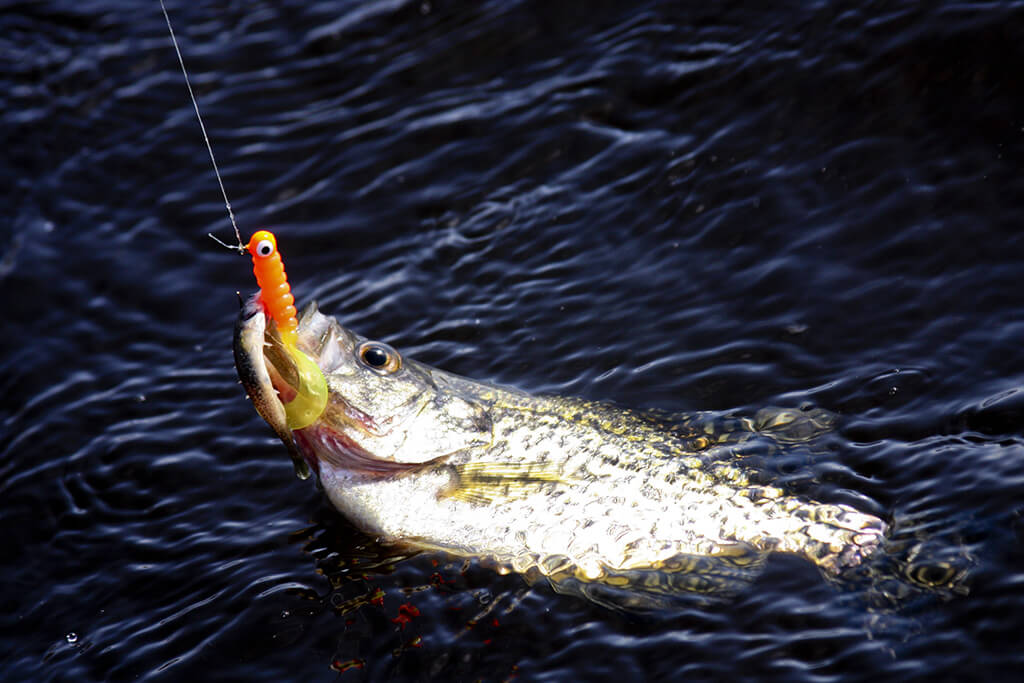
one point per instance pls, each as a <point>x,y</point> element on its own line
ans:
<point>209,147</point>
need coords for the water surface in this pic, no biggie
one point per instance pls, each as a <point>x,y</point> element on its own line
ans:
<point>682,206</point>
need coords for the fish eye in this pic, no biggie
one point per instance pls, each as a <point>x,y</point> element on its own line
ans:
<point>265,248</point>
<point>379,356</point>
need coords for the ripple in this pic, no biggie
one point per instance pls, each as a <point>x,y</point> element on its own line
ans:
<point>678,207</point>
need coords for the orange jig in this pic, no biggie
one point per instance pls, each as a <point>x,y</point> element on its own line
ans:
<point>311,391</point>
<point>275,292</point>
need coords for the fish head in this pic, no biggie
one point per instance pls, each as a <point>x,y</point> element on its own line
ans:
<point>384,414</point>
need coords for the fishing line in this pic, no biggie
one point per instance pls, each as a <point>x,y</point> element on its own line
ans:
<point>209,147</point>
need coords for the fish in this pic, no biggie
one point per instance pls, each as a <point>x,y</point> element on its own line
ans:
<point>611,503</point>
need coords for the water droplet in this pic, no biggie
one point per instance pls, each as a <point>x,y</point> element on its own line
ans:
<point>424,8</point>
<point>285,614</point>
<point>72,637</point>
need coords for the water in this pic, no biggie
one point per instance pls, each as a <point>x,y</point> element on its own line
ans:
<point>695,206</point>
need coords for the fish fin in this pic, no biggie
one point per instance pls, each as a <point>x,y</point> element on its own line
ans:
<point>790,425</point>
<point>483,483</point>
<point>683,580</point>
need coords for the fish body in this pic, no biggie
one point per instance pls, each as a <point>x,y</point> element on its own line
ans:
<point>580,492</point>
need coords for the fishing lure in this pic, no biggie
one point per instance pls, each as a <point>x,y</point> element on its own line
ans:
<point>275,293</point>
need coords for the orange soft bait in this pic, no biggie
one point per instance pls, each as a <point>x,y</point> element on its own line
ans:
<point>311,393</point>
<point>275,292</point>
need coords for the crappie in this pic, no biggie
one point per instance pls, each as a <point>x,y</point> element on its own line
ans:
<point>597,499</point>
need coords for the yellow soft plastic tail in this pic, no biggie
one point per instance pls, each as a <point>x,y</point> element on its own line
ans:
<point>311,397</point>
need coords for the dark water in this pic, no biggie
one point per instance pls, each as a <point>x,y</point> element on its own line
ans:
<point>689,206</point>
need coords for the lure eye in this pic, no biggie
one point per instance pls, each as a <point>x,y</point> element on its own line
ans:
<point>262,244</point>
<point>380,357</point>
<point>265,248</point>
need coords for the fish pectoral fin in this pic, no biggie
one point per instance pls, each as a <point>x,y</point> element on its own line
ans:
<point>482,483</point>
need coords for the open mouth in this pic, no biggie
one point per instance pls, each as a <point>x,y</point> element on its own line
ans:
<point>287,388</point>
<point>271,374</point>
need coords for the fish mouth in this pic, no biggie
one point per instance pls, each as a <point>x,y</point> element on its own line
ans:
<point>268,374</point>
<point>272,379</point>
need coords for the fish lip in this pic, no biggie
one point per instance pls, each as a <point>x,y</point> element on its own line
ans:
<point>250,329</point>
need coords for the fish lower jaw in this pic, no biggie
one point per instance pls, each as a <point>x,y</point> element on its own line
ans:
<point>324,446</point>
